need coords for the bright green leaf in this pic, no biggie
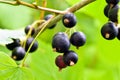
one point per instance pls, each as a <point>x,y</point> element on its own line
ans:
<point>6,61</point>
<point>16,73</point>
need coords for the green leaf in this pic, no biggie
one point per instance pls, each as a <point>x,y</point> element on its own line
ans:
<point>16,73</point>
<point>6,62</point>
<point>10,70</point>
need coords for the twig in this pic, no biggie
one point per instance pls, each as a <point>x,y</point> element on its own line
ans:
<point>19,2</point>
<point>9,2</point>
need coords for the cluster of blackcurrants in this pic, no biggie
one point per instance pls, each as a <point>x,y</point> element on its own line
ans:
<point>61,42</point>
<point>111,29</point>
<point>19,48</point>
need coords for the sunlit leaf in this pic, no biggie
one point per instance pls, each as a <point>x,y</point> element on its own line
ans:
<point>6,61</point>
<point>16,73</point>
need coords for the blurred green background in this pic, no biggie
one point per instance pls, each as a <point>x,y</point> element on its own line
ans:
<point>99,59</point>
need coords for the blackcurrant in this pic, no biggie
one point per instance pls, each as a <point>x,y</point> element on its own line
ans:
<point>69,20</point>
<point>27,29</point>
<point>28,43</point>
<point>78,39</point>
<point>118,36</point>
<point>113,14</point>
<point>15,43</point>
<point>60,42</point>
<point>59,62</point>
<point>112,1</point>
<point>106,10</point>
<point>18,53</point>
<point>47,17</point>
<point>109,31</point>
<point>70,58</point>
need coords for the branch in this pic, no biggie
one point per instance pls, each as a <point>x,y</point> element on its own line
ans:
<point>79,5</point>
<point>9,2</point>
<point>34,6</point>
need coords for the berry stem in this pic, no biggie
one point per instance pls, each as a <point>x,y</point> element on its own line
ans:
<point>44,3</point>
<point>32,26</point>
<point>44,26</point>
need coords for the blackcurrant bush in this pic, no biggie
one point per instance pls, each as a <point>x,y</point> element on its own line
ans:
<point>60,42</point>
<point>118,36</point>
<point>47,17</point>
<point>70,58</point>
<point>69,20</point>
<point>59,62</point>
<point>109,31</point>
<point>78,39</point>
<point>112,1</point>
<point>106,10</point>
<point>27,29</point>
<point>15,43</point>
<point>18,53</point>
<point>28,43</point>
<point>113,14</point>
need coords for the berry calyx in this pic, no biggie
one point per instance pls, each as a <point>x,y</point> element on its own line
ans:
<point>70,58</point>
<point>60,42</point>
<point>78,39</point>
<point>69,20</point>
<point>59,62</point>
<point>109,31</point>
<point>47,17</point>
<point>28,43</point>
<point>27,29</point>
<point>18,53</point>
<point>15,43</point>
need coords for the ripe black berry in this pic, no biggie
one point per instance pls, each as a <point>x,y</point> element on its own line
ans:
<point>59,62</point>
<point>70,58</point>
<point>60,42</point>
<point>112,1</point>
<point>15,43</point>
<point>109,31</point>
<point>106,10</point>
<point>118,36</point>
<point>18,53</point>
<point>69,20</point>
<point>27,29</point>
<point>47,17</point>
<point>78,39</point>
<point>113,14</point>
<point>28,43</point>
